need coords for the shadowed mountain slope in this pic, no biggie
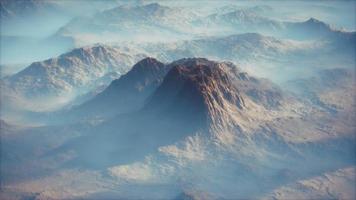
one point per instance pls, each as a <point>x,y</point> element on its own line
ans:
<point>195,96</point>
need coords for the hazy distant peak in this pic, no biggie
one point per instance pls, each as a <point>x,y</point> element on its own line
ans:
<point>148,9</point>
<point>153,6</point>
<point>315,23</point>
<point>258,9</point>
<point>147,64</point>
<point>314,20</point>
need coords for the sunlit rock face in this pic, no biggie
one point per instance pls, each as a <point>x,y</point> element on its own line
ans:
<point>195,86</point>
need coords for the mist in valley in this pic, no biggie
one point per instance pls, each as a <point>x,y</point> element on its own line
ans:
<point>177,100</point>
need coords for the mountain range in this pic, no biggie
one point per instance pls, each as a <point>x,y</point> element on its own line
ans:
<point>131,91</point>
<point>177,100</point>
<point>68,75</point>
<point>168,121</point>
<point>77,73</point>
<point>172,23</point>
<point>180,98</point>
<point>263,55</point>
<point>129,22</point>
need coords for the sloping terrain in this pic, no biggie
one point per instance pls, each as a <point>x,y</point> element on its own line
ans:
<point>177,100</point>
<point>206,130</point>
<point>128,93</point>
<point>333,185</point>
<point>62,78</point>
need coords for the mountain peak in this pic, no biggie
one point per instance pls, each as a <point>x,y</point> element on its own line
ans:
<point>126,93</point>
<point>155,9</point>
<point>143,73</point>
<point>148,60</point>
<point>315,22</point>
<point>147,64</point>
<point>152,6</point>
<point>210,79</point>
<point>197,86</point>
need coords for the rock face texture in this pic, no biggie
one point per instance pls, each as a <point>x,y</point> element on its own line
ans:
<point>197,87</point>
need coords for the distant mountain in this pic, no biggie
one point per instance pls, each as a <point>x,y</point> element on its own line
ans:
<point>265,56</point>
<point>255,19</point>
<point>12,9</point>
<point>21,9</point>
<point>241,20</point>
<point>150,13</point>
<point>311,28</point>
<point>233,47</point>
<point>169,23</point>
<point>258,9</point>
<point>131,22</point>
<point>70,74</point>
<point>174,23</point>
